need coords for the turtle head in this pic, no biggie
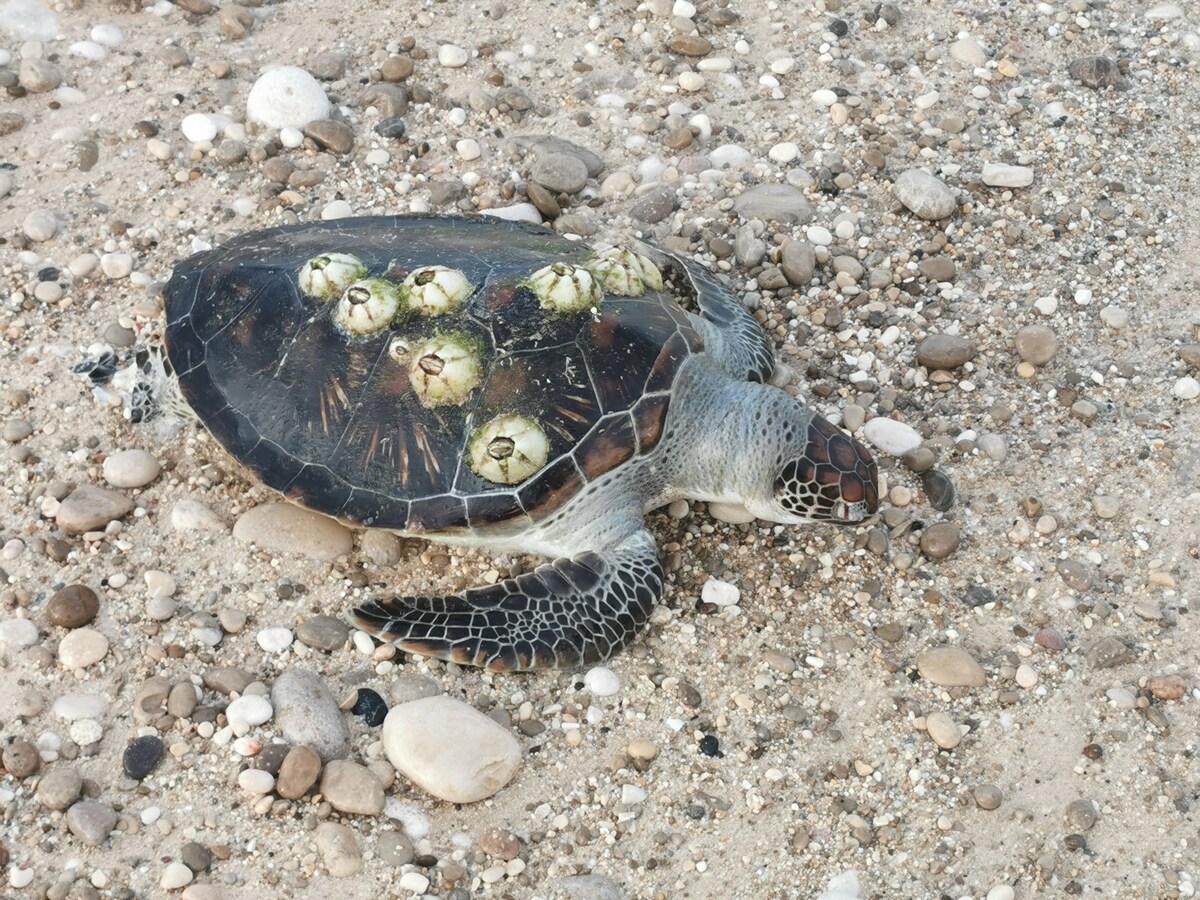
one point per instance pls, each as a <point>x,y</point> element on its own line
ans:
<point>820,474</point>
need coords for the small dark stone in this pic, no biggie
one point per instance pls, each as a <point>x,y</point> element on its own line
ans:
<point>655,206</point>
<point>979,596</point>
<point>544,200</point>
<point>393,127</point>
<point>710,746</point>
<point>271,758</point>
<point>142,756</point>
<point>370,707</point>
<point>196,857</point>
<point>331,134</point>
<point>1075,842</point>
<point>1093,751</point>
<point>73,607</point>
<point>146,128</point>
<point>939,489</point>
<point>839,27</point>
<point>1096,71</point>
<point>425,860</point>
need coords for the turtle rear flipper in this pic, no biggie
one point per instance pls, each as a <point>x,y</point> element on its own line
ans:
<point>571,612</point>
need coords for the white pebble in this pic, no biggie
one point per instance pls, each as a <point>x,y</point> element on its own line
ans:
<point>452,56</point>
<point>818,235</point>
<point>286,97</point>
<point>602,681</point>
<point>159,149</point>
<point>116,265</point>
<point>414,881</point>
<point>784,152</point>
<point>1026,676</point>
<point>1047,306</point>
<point>198,127</point>
<point>108,35</point>
<point>291,138</point>
<point>175,876</point>
<point>275,640</point>
<point>18,634</point>
<point>1186,388</point>
<point>159,584</point>
<point>20,876</point>
<point>891,436</point>
<point>683,9</point>
<point>783,65</point>
<point>249,709</point>
<point>1001,892</point>
<point>468,149</point>
<point>925,101</point>
<point>1083,296</point>
<point>377,157</point>
<point>632,795</point>
<point>256,781</point>
<point>336,209</point>
<point>86,731</point>
<point>691,81</point>
<point>150,815</point>
<point>720,593</point>
<point>824,97</point>
<point>999,175</point>
<point>88,50</point>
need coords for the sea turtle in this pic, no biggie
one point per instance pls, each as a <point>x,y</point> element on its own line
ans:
<point>475,381</point>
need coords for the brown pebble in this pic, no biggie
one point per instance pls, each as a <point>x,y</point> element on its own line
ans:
<point>940,540</point>
<point>679,138</point>
<point>690,45</point>
<point>544,200</point>
<point>1050,638</point>
<point>1167,687</point>
<point>945,351</point>
<point>396,68</point>
<point>299,772</point>
<point>500,844</point>
<point>938,268</point>
<point>73,607</point>
<point>988,796</point>
<point>21,759</point>
<point>331,134</point>
<point>1036,344</point>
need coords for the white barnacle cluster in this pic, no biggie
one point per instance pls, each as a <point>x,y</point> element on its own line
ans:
<point>442,370</point>
<point>508,449</point>
<point>366,304</point>
<point>624,272</point>
<point>564,288</point>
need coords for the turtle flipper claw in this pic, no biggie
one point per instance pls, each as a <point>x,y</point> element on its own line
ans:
<point>571,612</point>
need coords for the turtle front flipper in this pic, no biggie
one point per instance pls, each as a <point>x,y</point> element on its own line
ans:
<point>571,612</point>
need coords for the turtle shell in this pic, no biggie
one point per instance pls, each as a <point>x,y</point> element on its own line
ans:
<point>332,419</point>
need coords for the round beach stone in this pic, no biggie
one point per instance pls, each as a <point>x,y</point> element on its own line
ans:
<point>339,849</point>
<point>175,875</point>
<point>81,648</point>
<point>21,759</point>
<point>298,773</point>
<point>39,75</point>
<point>925,195</point>
<point>307,713</point>
<point>351,788</point>
<point>950,667</point>
<point>1000,175</point>
<point>602,681</point>
<point>249,710</point>
<point>91,821</point>
<point>798,262</point>
<point>323,632</point>
<point>256,781</point>
<point>130,469</point>
<point>1036,344</point>
<point>192,515</point>
<point>452,56</point>
<point>891,436</point>
<point>74,606</point>
<point>18,634</point>
<point>945,351</point>
<point>560,172</point>
<point>285,528</point>
<point>59,787</point>
<point>450,749</point>
<point>89,508</point>
<point>940,540</point>
<point>774,203</point>
<point>286,97</point>
<point>943,729</point>
<point>142,756</point>
<point>40,225</point>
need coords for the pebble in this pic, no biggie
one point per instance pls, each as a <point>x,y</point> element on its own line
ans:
<point>592,887</point>
<point>351,788</point>
<point>91,821</point>
<point>945,351</point>
<point>940,540</point>
<point>40,225</point>
<point>307,713</point>
<point>285,528</point>
<point>1186,388</point>
<point>70,707</point>
<point>560,172</point>
<point>18,634</point>
<point>339,850</point>
<point>1036,344</point>
<point>256,781</point>
<point>230,680</point>
<point>286,97</point>
<point>249,710</point>
<point>798,261</point>
<point>988,796</point>
<point>370,707</point>
<point>1081,815</point>
<point>452,56</point>
<point>142,756</point>
<point>192,515</point>
<point>1105,507</point>
<point>1095,71</point>
<point>74,606</point>
<point>59,787</point>
<point>81,648</point>
<point>655,206</point>
<point>39,75</point>
<point>21,759</point>
<point>175,875</point>
<point>323,632</point>
<point>331,134</point>
<point>891,436</point>
<point>951,667</point>
<point>780,203</point>
<point>116,265</point>
<point>1000,175</point>
<point>274,640</point>
<point>298,773</point>
<point>968,52</point>
<point>1001,892</point>
<point>943,730</point>
<point>468,149</point>
<point>89,508</point>
<point>198,127</point>
<point>925,195</point>
<point>450,749</point>
<point>130,469</point>
<point>602,681</point>
<point>1026,676</point>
